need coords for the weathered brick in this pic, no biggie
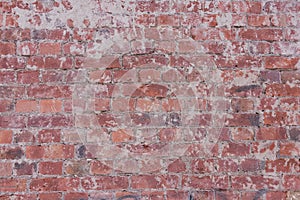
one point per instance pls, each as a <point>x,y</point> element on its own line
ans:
<point>281,63</point>
<point>154,182</point>
<point>55,151</point>
<point>50,168</point>
<point>49,135</point>
<point>28,77</point>
<point>105,183</point>
<point>271,133</point>
<point>5,169</point>
<point>50,48</point>
<point>6,105</point>
<point>236,149</point>
<point>25,168</point>
<point>12,185</point>
<point>255,182</point>
<point>54,184</point>
<point>7,48</point>
<point>50,106</point>
<point>26,106</point>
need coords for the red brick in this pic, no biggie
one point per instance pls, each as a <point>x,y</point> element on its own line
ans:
<point>101,76</point>
<point>259,20</point>
<point>141,60</point>
<point>58,34</point>
<point>76,167</point>
<point>202,166</point>
<point>58,63</point>
<point>55,151</point>
<point>50,48</point>
<point>7,48</point>
<point>7,77</point>
<point>291,182</point>
<point>168,20</point>
<point>45,91</point>
<point>98,167</point>
<point>155,195</point>
<point>227,165</point>
<point>145,19</point>
<point>5,169</point>
<point>11,21</point>
<point>236,149</point>
<point>278,89</point>
<point>12,63</point>
<point>50,168</point>
<point>271,133</point>
<point>36,62</point>
<point>76,195</point>
<point>54,184</point>
<point>206,182</point>
<point>26,106</point>
<point>220,195</point>
<point>255,182</point>
<point>238,61</point>
<point>187,46</point>
<point>278,118</point>
<point>13,34</point>
<point>242,105</point>
<point>49,135</point>
<point>12,185</point>
<point>121,135</point>
<point>289,149</point>
<point>24,136</point>
<point>12,121</point>
<point>175,194</point>
<point>28,77</point>
<point>27,48</point>
<point>6,105</point>
<point>5,136</point>
<point>106,183</point>
<point>274,7</point>
<point>25,168</point>
<point>24,196</point>
<point>250,165</point>
<point>223,6</point>
<point>288,104</point>
<point>210,20</point>
<point>285,49</point>
<point>243,120</point>
<point>242,134</point>
<point>277,195</point>
<point>260,47</point>
<point>281,62</point>
<point>46,196</point>
<point>154,182</point>
<point>50,106</point>
<point>52,76</point>
<point>261,34</point>
<point>283,165</point>
<point>264,149</point>
<point>177,166</point>
<point>290,76</point>
<point>292,34</point>
<point>247,6</point>
<point>84,34</point>
<point>73,49</point>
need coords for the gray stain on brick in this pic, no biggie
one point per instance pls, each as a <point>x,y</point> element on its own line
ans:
<point>295,134</point>
<point>246,88</point>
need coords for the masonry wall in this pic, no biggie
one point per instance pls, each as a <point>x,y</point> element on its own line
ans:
<point>165,99</point>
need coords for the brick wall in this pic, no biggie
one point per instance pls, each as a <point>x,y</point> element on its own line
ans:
<point>165,99</point>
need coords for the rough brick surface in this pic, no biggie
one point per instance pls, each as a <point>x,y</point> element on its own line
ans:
<point>149,99</point>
